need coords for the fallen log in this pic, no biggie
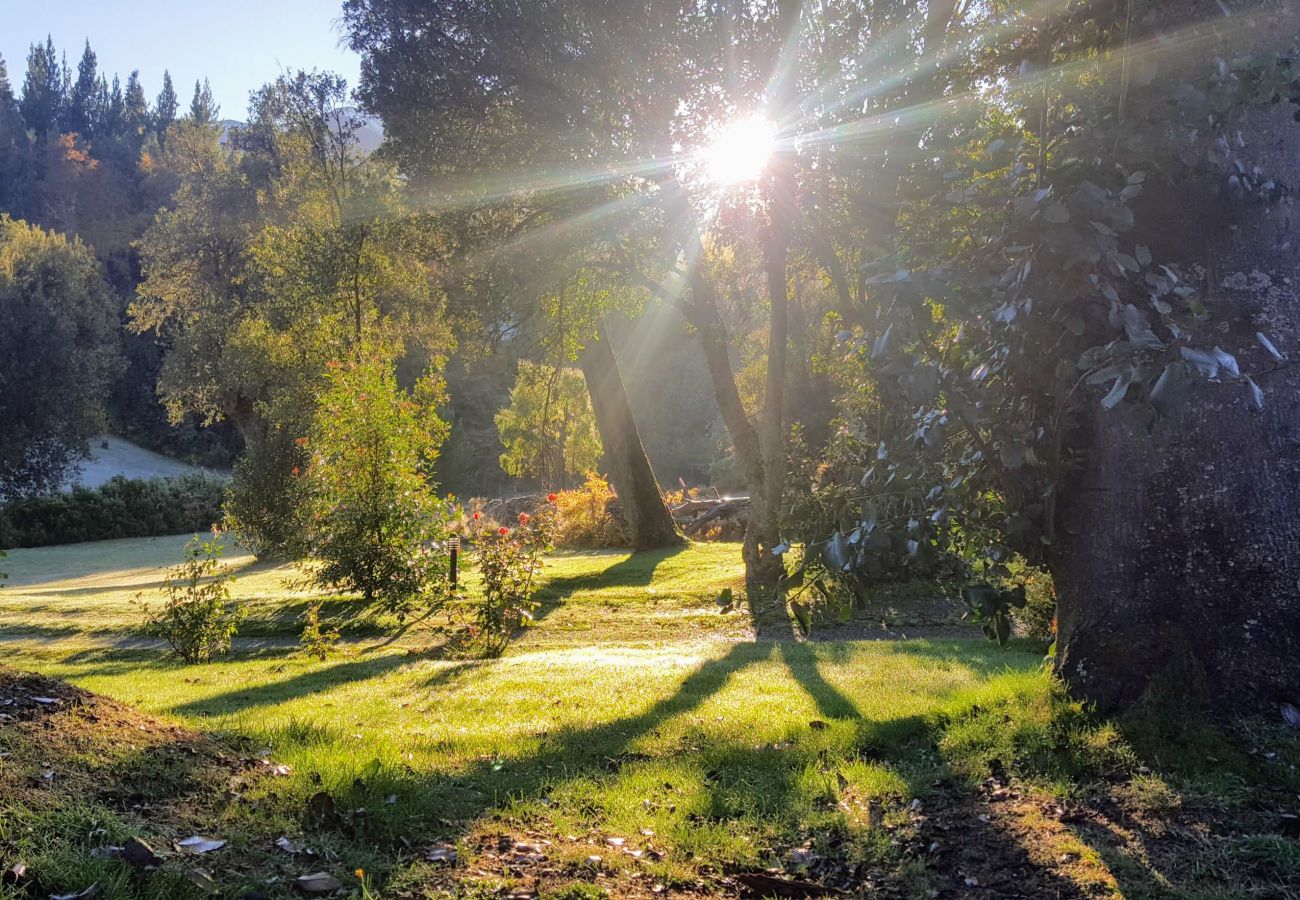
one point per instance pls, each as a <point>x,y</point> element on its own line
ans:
<point>720,509</point>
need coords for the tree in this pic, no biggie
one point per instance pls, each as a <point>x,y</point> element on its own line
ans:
<point>370,514</point>
<point>531,118</point>
<point>165,107</point>
<point>42,98</point>
<point>548,430</point>
<point>135,111</point>
<point>284,248</point>
<point>58,355</point>
<point>203,109</point>
<point>80,113</point>
<point>650,524</point>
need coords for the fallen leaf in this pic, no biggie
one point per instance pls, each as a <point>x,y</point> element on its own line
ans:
<point>1291,715</point>
<point>615,841</point>
<point>203,881</point>
<point>45,701</point>
<point>442,853</point>
<point>317,883</point>
<point>139,854</point>
<point>84,894</point>
<point>199,844</point>
<point>286,845</point>
<point>14,874</point>
<point>818,725</point>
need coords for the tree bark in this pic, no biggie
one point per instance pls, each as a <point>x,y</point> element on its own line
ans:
<point>765,526</point>
<point>1177,556</point>
<point>634,481</point>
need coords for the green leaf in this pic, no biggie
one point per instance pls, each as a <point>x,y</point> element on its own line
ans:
<point>1056,214</point>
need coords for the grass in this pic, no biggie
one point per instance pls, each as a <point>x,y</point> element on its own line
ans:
<point>634,742</point>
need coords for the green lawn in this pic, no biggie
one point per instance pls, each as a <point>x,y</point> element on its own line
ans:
<point>632,710</point>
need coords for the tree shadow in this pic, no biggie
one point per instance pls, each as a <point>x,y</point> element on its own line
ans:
<point>244,699</point>
<point>805,668</point>
<point>635,570</point>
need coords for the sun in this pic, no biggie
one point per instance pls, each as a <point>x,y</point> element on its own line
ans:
<point>740,150</point>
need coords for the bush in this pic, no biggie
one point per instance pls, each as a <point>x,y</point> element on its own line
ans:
<point>370,514</point>
<point>508,561</point>
<point>197,617</point>
<point>121,508</point>
<point>583,519</point>
<point>1038,617</point>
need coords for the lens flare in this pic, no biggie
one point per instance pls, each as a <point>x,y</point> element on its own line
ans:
<point>740,150</point>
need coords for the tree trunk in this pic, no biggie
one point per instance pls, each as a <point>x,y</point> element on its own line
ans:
<point>1177,558</point>
<point>765,526</point>
<point>629,469</point>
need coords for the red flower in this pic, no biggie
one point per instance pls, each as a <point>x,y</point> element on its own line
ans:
<point>523,518</point>
<point>301,442</point>
<point>503,531</point>
<point>476,516</point>
<point>295,470</point>
<point>550,498</point>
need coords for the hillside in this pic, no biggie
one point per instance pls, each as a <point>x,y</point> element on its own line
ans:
<point>112,456</point>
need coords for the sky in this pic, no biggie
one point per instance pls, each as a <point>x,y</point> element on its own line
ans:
<point>238,45</point>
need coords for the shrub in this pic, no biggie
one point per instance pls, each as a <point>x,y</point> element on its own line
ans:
<point>1038,617</point>
<point>317,637</point>
<point>197,618</point>
<point>584,519</point>
<point>508,561</point>
<point>370,514</point>
<point>121,508</point>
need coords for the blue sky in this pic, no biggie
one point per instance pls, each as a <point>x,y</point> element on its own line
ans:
<point>238,45</point>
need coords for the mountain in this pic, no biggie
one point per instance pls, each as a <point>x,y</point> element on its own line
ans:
<point>369,136</point>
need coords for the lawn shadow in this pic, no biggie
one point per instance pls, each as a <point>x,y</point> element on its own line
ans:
<point>805,668</point>
<point>310,682</point>
<point>636,570</point>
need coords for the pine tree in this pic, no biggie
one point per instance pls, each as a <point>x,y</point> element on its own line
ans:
<point>203,110</point>
<point>79,114</point>
<point>135,112</point>
<point>114,110</point>
<point>164,108</point>
<point>42,89</point>
<point>11,123</point>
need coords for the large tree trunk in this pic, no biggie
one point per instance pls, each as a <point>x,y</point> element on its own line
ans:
<point>764,532</point>
<point>1177,560</point>
<point>647,517</point>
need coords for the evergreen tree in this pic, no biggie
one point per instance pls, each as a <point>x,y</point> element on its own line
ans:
<point>203,109</point>
<point>164,108</point>
<point>79,114</point>
<point>135,110</point>
<point>13,146</point>
<point>42,89</point>
<point>114,110</point>
<point>11,123</point>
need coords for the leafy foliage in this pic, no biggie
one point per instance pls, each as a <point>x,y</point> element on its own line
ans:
<point>197,616</point>
<point>583,518</point>
<point>58,355</point>
<point>370,516</point>
<point>549,429</point>
<point>121,508</point>
<point>509,560</point>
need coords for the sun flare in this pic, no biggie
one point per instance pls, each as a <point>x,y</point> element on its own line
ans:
<point>740,150</point>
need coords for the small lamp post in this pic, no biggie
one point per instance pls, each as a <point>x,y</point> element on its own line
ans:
<point>453,547</point>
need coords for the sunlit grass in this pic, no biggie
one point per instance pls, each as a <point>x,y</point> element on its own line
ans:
<point>625,711</point>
